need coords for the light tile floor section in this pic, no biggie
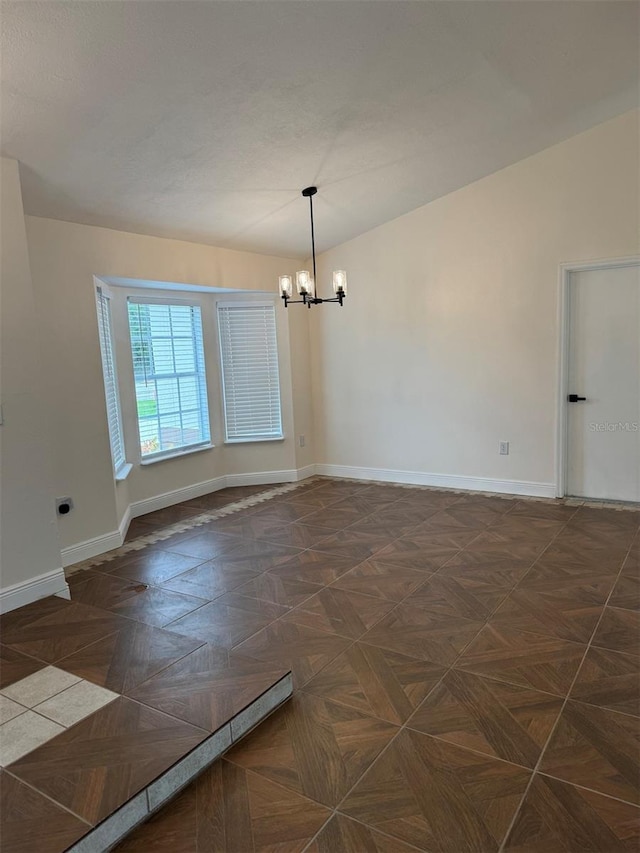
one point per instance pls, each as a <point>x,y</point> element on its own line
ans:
<point>41,706</point>
<point>42,685</point>
<point>23,734</point>
<point>75,703</point>
<point>9,709</point>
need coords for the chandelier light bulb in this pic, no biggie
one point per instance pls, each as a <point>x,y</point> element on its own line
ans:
<point>339,281</point>
<point>286,286</point>
<point>303,282</point>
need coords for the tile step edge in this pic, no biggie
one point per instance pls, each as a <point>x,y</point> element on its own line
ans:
<point>113,829</point>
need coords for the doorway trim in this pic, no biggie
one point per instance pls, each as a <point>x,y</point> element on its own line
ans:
<point>564,271</point>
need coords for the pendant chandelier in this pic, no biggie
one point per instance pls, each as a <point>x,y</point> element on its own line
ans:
<point>305,282</point>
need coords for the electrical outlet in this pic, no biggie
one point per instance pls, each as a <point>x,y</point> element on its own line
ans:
<point>504,448</point>
<point>64,505</point>
<point>301,441</point>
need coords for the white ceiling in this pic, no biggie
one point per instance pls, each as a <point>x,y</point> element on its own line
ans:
<point>203,120</point>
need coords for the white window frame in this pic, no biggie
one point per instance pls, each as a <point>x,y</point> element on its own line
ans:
<point>121,467</point>
<point>247,304</point>
<point>185,450</point>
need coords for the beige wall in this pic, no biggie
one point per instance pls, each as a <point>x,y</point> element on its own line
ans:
<point>28,535</point>
<point>64,259</point>
<point>447,343</point>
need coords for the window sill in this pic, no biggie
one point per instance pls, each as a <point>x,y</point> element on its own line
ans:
<point>253,440</point>
<point>187,451</point>
<point>123,472</point>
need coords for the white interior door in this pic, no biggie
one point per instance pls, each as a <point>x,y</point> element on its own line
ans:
<point>603,429</point>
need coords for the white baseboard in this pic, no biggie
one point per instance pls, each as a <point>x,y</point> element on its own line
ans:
<point>264,478</point>
<point>176,496</point>
<point>100,544</point>
<point>187,493</point>
<point>442,481</point>
<point>92,547</point>
<point>125,521</point>
<point>306,471</point>
<point>20,594</point>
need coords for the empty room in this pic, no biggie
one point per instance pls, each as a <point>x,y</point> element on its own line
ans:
<point>320,426</point>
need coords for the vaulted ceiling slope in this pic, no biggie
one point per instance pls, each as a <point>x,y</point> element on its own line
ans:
<point>203,120</point>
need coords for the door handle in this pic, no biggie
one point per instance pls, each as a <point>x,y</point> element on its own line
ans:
<point>574,398</point>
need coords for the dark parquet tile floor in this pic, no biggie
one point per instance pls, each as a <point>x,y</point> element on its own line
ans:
<point>467,673</point>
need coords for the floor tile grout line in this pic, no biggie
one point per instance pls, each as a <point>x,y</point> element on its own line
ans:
<point>144,703</point>
<point>101,640</point>
<point>252,772</point>
<point>407,723</point>
<point>455,664</point>
<point>336,813</point>
<point>307,692</point>
<point>516,683</point>
<point>335,632</point>
<point>617,607</point>
<point>466,748</point>
<point>47,797</point>
<point>616,651</point>
<point>508,591</point>
<point>80,648</point>
<point>162,669</point>
<point>60,693</point>
<point>536,769</point>
<point>307,846</point>
<point>381,831</point>
<point>226,757</point>
<point>163,627</point>
<point>209,734</point>
<point>140,553</point>
<point>591,790</point>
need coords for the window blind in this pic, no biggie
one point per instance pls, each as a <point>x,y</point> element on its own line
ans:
<point>114,419</point>
<point>169,374</point>
<point>250,377</point>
